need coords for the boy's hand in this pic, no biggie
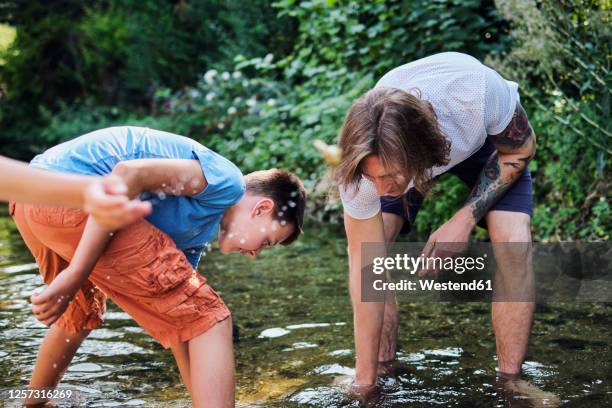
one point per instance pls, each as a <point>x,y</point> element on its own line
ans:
<point>49,305</point>
<point>108,203</point>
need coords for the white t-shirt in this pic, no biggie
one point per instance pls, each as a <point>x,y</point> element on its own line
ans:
<point>470,99</point>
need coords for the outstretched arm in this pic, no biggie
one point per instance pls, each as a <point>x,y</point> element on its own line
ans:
<point>103,197</point>
<point>49,305</point>
<point>367,316</point>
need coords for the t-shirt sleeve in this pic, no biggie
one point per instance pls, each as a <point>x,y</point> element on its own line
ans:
<point>225,183</point>
<point>501,97</point>
<point>361,203</point>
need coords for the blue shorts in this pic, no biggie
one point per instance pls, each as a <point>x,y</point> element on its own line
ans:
<point>517,199</point>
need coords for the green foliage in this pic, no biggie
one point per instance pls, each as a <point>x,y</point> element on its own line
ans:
<point>562,58</point>
<point>117,53</point>
<point>278,77</point>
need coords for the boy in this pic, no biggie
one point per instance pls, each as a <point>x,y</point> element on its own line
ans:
<point>148,268</point>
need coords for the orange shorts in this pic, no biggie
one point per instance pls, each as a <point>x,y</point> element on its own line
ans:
<point>142,271</point>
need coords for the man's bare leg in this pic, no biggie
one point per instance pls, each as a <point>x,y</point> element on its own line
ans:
<point>511,320</point>
<point>54,355</point>
<point>211,365</point>
<point>181,355</point>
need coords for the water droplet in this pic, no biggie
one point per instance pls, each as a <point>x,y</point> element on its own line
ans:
<point>280,213</point>
<point>110,234</point>
<point>291,203</point>
<point>54,365</point>
<point>284,208</point>
<point>283,222</point>
<point>163,184</point>
<point>162,196</point>
<point>67,340</point>
<point>262,229</point>
<point>293,193</point>
<point>242,241</point>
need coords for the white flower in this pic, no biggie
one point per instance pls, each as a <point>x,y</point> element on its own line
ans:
<point>232,110</point>
<point>194,93</point>
<point>225,76</point>
<point>268,58</point>
<point>271,102</point>
<point>221,125</point>
<point>209,76</point>
<point>237,75</point>
<point>245,83</point>
<point>210,96</point>
<point>251,102</point>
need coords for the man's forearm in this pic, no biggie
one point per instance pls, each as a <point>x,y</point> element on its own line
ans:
<point>368,321</point>
<point>496,178</point>
<point>515,147</point>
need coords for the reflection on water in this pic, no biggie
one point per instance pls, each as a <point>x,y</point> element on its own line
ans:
<point>294,340</point>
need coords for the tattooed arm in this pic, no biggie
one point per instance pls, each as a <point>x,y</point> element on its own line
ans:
<point>515,146</point>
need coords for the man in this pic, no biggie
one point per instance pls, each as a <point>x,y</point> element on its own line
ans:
<point>444,113</point>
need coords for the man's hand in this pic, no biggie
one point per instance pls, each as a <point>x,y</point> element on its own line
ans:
<point>49,305</point>
<point>451,239</point>
<point>108,203</point>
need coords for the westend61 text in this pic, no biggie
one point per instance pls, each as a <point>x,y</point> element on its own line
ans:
<point>430,284</point>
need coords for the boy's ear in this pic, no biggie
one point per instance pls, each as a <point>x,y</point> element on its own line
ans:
<point>263,207</point>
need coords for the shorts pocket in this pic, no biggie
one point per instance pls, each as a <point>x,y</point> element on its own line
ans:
<point>153,268</point>
<point>57,216</point>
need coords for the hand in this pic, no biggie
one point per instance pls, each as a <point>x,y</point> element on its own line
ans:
<point>108,203</point>
<point>451,239</point>
<point>49,305</point>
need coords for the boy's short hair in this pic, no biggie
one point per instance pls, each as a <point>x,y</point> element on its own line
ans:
<point>287,192</point>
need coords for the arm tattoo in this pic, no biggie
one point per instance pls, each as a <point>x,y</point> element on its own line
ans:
<point>516,133</point>
<point>489,188</point>
<point>494,181</point>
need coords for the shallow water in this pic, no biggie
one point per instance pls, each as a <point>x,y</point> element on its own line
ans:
<point>293,317</point>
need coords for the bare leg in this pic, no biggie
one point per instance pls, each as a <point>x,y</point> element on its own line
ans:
<point>511,319</point>
<point>181,355</point>
<point>211,364</point>
<point>388,341</point>
<point>54,355</point>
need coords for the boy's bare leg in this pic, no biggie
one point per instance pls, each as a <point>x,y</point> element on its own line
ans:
<point>211,361</point>
<point>54,355</point>
<point>181,355</point>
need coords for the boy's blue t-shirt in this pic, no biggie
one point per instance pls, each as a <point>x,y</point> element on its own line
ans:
<point>192,222</point>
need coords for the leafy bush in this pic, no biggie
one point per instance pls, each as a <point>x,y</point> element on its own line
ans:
<point>561,56</point>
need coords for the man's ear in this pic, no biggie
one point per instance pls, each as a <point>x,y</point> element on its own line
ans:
<point>263,207</point>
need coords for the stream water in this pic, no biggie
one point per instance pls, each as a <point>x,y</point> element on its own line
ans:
<point>294,336</point>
